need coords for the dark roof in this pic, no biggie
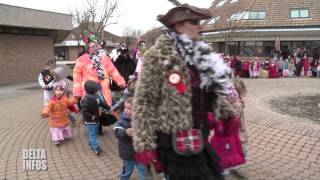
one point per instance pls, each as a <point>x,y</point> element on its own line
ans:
<point>152,35</point>
<point>30,18</point>
<point>107,36</point>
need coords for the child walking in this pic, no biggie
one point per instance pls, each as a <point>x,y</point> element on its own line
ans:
<point>123,131</point>
<point>60,79</point>
<point>57,111</point>
<point>45,81</point>
<point>91,113</point>
<point>242,90</point>
<point>226,140</point>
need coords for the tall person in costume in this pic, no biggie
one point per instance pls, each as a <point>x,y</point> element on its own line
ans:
<point>92,66</point>
<point>180,82</point>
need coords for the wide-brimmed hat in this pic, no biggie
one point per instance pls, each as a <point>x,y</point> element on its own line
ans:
<point>182,13</point>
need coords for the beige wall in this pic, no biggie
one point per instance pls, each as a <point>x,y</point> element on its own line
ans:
<point>22,57</point>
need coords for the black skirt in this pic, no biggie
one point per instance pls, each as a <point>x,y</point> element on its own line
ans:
<point>202,166</point>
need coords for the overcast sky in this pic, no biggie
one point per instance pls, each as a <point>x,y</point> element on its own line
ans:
<point>139,14</point>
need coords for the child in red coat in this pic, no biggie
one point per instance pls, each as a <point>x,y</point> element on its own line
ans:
<point>226,139</point>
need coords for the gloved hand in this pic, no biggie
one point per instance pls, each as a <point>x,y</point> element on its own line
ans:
<point>149,158</point>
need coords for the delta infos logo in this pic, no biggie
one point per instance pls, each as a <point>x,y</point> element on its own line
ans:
<point>34,159</point>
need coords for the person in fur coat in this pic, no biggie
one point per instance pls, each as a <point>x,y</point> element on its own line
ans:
<point>180,82</point>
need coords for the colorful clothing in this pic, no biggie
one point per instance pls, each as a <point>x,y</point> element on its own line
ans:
<point>60,134</point>
<point>57,109</point>
<point>254,69</point>
<point>84,70</point>
<point>162,108</point>
<point>273,70</point>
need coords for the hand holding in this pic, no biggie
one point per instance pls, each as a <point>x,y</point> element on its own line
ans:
<point>129,131</point>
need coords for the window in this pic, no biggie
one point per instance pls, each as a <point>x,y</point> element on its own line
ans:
<point>214,20</point>
<point>299,13</point>
<point>257,15</point>
<point>248,15</point>
<point>221,3</point>
<point>234,1</point>
<point>239,16</point>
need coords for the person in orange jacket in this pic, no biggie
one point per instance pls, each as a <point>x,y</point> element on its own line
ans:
<point>99,68</point>
<point>57,110</point>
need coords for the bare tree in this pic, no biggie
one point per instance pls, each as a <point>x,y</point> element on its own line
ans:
<point>175,2</point>
<point>236,23</point>
<point>95,17</point>
<point>130,36</point>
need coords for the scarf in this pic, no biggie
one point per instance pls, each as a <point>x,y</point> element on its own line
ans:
<point>210,66</point>
<point>97,65</point>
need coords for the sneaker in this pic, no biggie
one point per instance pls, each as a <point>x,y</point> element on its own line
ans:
<point>57,143</point>
<point>237,173</point>
<point>226,172</point>
<point>97,151</point>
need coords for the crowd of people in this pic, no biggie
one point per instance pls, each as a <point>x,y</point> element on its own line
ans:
<point>295,65</point>
<point>174,109</point>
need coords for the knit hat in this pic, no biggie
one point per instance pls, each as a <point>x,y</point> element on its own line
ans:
<point>91,87</point>
<point>59,73</point>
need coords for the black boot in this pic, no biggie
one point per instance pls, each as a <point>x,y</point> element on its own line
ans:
<point>100,130</point>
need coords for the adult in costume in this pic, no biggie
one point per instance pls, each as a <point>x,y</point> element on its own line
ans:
<point>180,82</point>
<point>99,68</point>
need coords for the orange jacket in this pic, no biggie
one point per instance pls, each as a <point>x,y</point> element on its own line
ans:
<point>57,109</point>
<point>84,71</point>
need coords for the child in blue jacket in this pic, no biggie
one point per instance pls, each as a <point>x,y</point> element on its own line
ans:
<point>123,131</point>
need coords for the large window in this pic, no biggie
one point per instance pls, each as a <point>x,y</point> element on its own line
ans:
<point>299,13</point>
<point>256,48</point>
<point>290,46</point>
<point>249,48</point>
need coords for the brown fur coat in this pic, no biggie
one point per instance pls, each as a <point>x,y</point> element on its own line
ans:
<point>157,106</point>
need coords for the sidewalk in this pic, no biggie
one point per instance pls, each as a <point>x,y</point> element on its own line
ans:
<point>17,90</point>
<point>280,147</point>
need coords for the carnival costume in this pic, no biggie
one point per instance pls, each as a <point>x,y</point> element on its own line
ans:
<point>180,82</point>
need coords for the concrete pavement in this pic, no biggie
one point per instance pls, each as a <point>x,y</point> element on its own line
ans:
<point>280,146</point>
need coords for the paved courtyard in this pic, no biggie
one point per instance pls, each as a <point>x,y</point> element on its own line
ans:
<point>280,146</point>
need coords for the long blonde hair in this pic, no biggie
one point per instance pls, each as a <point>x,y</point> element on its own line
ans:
<point>240,87</point>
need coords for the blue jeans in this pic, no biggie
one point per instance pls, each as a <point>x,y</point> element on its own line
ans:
<point>318,74</point>
<point>128,167</point>
<point>92,130</point>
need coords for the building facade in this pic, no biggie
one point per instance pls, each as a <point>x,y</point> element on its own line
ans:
<point>27,37</point>
<point>262,27</point>
<point>66,52</point>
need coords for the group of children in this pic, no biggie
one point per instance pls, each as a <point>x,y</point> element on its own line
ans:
<point>273,67</point>
<point>229,139</point>
<point>56,102</point>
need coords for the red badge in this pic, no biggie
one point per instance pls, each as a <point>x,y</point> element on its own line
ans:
<point>175,79</point>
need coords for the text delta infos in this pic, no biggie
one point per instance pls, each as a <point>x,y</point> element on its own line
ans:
<point>34,159</point>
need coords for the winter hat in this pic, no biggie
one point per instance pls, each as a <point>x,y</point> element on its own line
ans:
<point>59,73</point>
<point>58,86</point>
<point>91,87</point>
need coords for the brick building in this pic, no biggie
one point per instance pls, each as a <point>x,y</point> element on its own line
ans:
<point>260,27</point>
<point>27,37</point>
<point>66,52</point>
